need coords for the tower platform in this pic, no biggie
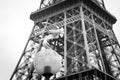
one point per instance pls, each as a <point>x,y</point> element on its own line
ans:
<point>91,74</point>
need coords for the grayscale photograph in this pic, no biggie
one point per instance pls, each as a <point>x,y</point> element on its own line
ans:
<point>60,40</point>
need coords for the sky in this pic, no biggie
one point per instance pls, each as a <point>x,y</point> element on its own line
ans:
<point>15,28</point>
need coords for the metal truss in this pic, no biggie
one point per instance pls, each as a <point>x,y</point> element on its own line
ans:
<point>46,3</point>
<point>88,42</point>
<point>100,3</point>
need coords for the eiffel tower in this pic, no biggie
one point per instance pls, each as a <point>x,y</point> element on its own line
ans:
<point>70,40</point>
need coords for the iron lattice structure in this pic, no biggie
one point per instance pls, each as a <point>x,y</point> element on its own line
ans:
<point>47,3</point>
<point>88,45</point>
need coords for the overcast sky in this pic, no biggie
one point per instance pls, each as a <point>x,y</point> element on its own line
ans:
<point>15,28</point>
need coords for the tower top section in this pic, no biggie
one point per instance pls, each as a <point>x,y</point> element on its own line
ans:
<point>46,3</point>
<point>53,7</point>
